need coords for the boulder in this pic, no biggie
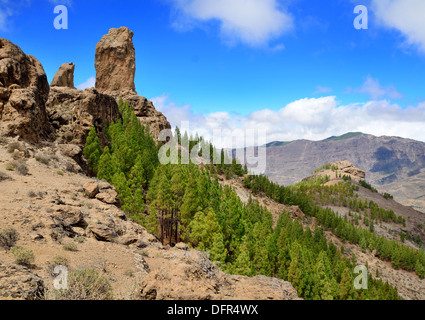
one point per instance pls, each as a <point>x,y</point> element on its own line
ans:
<point>91,189</point>
<point>64,77</point>
<point>108,196</point>
<point>71,215</point>
<point>103,232</point>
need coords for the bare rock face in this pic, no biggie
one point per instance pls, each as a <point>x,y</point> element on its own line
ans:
<point>64,77</point>
<point>348,169</point>
<point>190,275</point>
<point>116,61</point>
<point>73,112</point>
<point>23,93</point>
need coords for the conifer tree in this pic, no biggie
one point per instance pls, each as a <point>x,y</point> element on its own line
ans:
<point>92,150</point>
<point>218,251</point>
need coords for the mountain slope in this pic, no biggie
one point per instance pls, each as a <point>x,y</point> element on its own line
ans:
<point>393,164</point>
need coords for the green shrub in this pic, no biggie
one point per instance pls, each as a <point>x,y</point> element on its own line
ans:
<point>23,256</point>
<point>70,246</point>
<point>42,159</point>
<point>8,238</point>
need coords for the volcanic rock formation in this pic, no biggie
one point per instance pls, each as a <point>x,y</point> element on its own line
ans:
<point>23,93</point>
<point>116,61</point>
<point>115,70</point>
<point>64,77</point>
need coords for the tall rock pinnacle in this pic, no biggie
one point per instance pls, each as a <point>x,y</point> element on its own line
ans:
<point>115,61</point>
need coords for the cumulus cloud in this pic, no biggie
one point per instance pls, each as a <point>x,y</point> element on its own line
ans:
<point>310,118</point>
<point>89,83</point>
<point>252,22</point>
<point>406,16</point>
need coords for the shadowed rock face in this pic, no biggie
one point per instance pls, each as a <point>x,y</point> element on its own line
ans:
<point>73,112</point>
<point>64,77</point>
<point>115,61</point>
<point>23,93</point>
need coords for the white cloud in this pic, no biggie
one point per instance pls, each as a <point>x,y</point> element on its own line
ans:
<point>373,88</point>
<point>322,89</point>
<point>7,10</point>
<point>406,16</point>
<point>252,22</point>
<point>313,119</point>
<point>89,83</point>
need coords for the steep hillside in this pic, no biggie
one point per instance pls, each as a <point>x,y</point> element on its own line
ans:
<point>393,164</point>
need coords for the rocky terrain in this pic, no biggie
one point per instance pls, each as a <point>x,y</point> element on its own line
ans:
<point>61,214</point>
<point>393,164</point>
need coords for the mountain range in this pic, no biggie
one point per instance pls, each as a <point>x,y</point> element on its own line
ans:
<point>393,164</point>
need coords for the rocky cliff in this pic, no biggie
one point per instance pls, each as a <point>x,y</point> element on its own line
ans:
<point>23,93</point>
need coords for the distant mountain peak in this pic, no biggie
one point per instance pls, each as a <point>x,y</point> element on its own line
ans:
<point>348,135</point>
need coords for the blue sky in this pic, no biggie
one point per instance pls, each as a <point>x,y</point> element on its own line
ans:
<point>298,68</point>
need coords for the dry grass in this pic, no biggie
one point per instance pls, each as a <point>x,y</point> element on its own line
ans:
<point>84,284</point>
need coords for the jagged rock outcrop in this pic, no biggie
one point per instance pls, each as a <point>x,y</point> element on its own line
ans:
<point>18,282</point>
<point>23,93</point>
<point>348,169</point>
<point>190,275</point>
<point>147,114</point>
<point>73,112</point>
<point>115,70</point>
<point>116,61</point>
<point>64,77</point>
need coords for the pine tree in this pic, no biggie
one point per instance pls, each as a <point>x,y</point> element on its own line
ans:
<point>92,150</point>
<point>105,166</point>
<point>346,285</point>
<point>243,263</point>
<point>218,251</point>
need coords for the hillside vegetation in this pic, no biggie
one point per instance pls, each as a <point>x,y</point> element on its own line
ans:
<point>187,202</point>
